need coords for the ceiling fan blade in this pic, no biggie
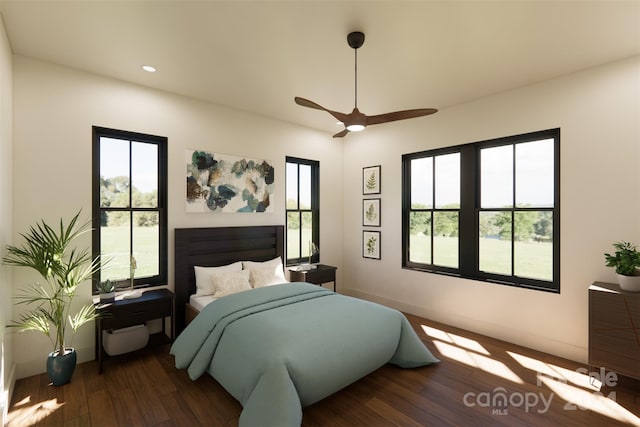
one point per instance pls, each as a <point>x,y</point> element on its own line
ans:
<point>399,115</point>
<point>310,104</point>
<point>341,134</point>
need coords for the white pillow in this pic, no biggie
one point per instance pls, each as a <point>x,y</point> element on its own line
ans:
<point>230,282</point>
<point>203,277</point>
<point>265,273</point>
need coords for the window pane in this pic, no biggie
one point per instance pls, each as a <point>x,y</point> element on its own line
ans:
<point>144,174</point>
<point>419,240</point>
<point>422,183</point>
<point>448,181</point>
<point>445,239</point>
<point>305,187</point>
<point>307,239</point>
<point>534,174</point>
<point>146,243</point>
<point>115,242</point>
<point>524,231</point>
<point>293,235</point>
<point>496,177</point>
<point>114,173</point>
<point>292,186</point>
<point>495,242</point>
<point>534,254</point>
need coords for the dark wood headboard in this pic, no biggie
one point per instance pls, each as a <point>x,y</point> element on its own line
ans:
<point>212,247</point>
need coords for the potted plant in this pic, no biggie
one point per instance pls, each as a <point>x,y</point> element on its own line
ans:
<point>626,260</point>
<point>107,290</point>
<point>49,251</point>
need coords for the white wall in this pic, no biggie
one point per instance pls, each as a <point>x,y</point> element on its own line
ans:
<point>54,109</point>
<point>598,111</point>
<point>7,372</point>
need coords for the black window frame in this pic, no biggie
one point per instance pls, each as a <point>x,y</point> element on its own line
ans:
<point>315,209</point>
<point>162,146</point>
<point>469,240</point>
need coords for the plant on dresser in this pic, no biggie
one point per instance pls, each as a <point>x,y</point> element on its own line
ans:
<point>626,260</point>
<point>107,290</point>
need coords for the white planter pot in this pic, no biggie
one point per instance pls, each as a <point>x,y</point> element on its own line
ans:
<point>629,283</point>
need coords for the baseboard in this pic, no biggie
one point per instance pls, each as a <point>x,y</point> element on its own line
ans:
<point>38,363</point>
<point>498,331</point>
<point>5,401</point>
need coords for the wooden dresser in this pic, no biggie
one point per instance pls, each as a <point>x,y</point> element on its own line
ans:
<point>614,329</point>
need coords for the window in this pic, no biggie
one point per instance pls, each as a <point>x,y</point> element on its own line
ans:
<point>129,188</point>
<point>303,210</point>
<point>486,211</point>
<point>435,210</point>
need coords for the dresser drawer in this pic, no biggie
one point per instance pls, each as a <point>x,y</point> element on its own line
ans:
<point>153,304</point>
<point>118,317</point>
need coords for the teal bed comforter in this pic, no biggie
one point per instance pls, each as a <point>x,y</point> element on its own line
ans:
<point>280,348</point>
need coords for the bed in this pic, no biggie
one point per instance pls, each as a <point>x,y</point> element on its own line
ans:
<point>280,348</point>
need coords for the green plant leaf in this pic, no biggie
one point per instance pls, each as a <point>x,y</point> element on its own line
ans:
<point>51,252</point>
<point>625,260</point>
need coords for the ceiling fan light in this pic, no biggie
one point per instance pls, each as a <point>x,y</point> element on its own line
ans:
<point>355,128</point>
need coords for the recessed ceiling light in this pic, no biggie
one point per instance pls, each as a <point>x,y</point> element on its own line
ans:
<point>149,68</point>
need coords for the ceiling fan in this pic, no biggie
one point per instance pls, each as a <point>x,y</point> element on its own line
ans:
<point>357,121</point>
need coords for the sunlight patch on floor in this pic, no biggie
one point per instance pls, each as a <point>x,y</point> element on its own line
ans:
<point>24,413</point>
<point>579,399</point>
<point>577,378</point>
<point>580,388</point>
<point>470,352</point>
<point>476,360</point>
<point>455,339</point>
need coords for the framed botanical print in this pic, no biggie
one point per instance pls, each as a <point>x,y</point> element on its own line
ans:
<point>371,212</point>
<point>371,180</point>
<point>371,244</point>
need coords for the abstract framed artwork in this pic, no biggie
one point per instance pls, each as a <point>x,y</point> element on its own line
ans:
<point>371,212</point>
<point>220,183</point>
<point>371,179</point>
<point>371,244</point>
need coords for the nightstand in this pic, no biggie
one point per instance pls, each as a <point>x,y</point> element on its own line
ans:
<point>154,304</point>
<point>319,275</point>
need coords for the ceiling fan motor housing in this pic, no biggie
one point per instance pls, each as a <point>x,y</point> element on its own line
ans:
<point>355,39</point>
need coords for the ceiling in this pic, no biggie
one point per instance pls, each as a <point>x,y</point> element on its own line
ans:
<point>257,55</point>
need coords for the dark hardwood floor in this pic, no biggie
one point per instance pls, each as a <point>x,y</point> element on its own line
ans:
<point>480,382</point>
